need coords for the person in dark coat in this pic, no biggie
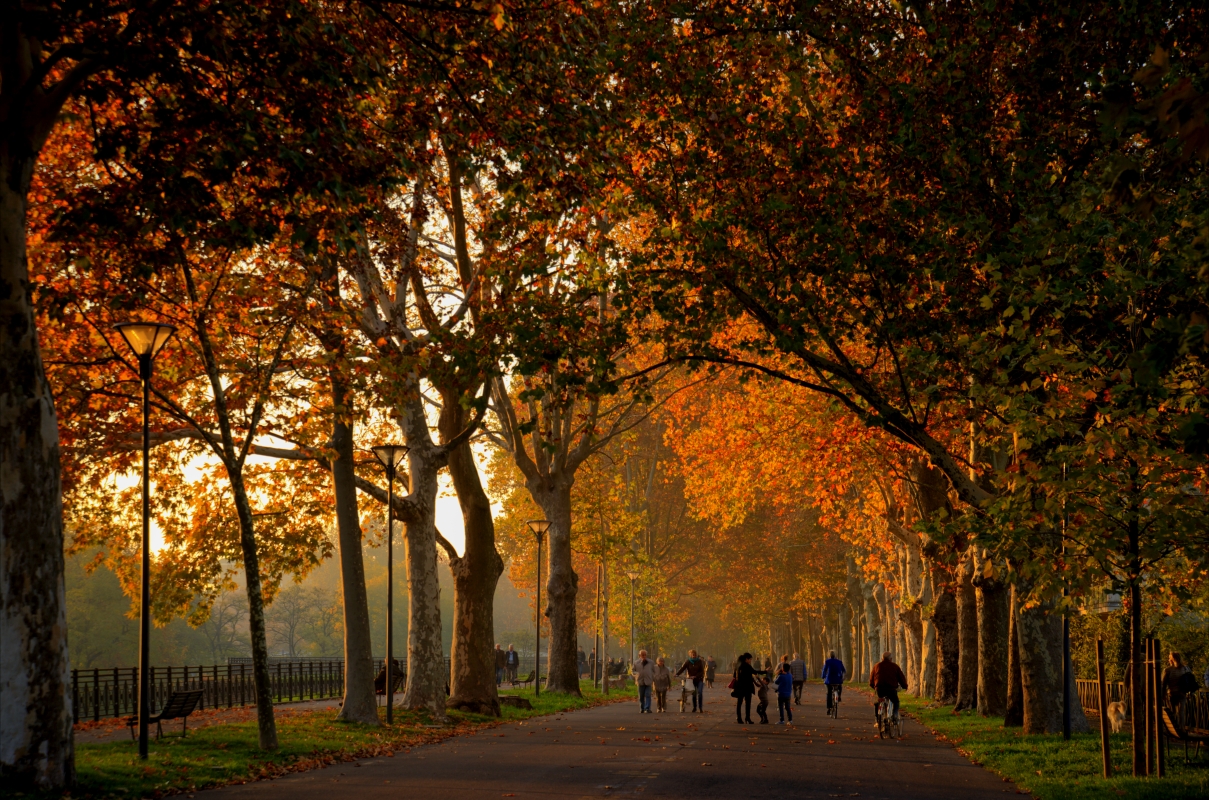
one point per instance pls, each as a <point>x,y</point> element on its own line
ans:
<point>501,663</point>
<point>745,687</point>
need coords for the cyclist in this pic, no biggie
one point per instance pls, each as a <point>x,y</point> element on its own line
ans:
<point>885,680</point>
<point>833,676</point>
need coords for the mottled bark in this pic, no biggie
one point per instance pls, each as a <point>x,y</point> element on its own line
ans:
<point>873,626</point>
<point>426,675</point>
<point>994,610</point>
<point>927,665</point>
<point>35,689</point>
<point>844,631</point>
<point>475,575</point>
<point>360,704</point>
<point>1013,715</point>
<point>561,588</point>
<point>1040,632</point>
<point>967,634</point>
<point>944,618</point>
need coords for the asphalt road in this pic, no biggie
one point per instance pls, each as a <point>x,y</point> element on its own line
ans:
<point>613,750</point>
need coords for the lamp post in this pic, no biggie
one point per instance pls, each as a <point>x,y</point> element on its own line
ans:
<point>146,339</point>
<point>632,576</point>
<point>390,455</point>
<point>539,528</point>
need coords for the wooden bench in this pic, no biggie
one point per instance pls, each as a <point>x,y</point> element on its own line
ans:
<point>1185,735</point>
<point>180,705</point>
<point>528,679</point>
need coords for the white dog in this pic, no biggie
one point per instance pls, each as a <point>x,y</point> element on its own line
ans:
<point>1117,712</point>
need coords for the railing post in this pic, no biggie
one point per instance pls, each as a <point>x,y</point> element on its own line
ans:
<point>96,694</point>
<point>75,696</point>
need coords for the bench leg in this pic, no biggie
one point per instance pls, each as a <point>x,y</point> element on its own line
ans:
<point>184,726</point>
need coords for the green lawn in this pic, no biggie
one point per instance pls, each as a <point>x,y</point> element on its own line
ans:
<point>227,753</point>
<point>1052,769</point>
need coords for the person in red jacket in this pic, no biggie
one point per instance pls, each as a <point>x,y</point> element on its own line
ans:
<point>885,680</point>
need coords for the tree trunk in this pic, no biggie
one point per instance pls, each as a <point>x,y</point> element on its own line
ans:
<point>360,703</point>
<point>944,618</point>
<point>1040,634</point>
<point>844,629</point>
<point>426,675</point>
<point>994,611</point>
<point>36,751</point>
<point>1013,714</point>
<point>475,575</point>
<point>967,634</point>
<point>1078,718</point>
<point>873,627</point>
<point>261,682</point>
<point>561,588</point>
<point>1137,681</point>
<point>927,663</point>
<point>913,628</point>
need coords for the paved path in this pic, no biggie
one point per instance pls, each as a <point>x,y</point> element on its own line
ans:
<point>612,750</point>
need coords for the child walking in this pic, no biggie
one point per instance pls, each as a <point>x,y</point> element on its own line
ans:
<point>785,693</point>
<point>762,693</point>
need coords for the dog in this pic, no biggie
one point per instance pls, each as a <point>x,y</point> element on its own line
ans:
<point>686,696</point>
<point>1117,714</point>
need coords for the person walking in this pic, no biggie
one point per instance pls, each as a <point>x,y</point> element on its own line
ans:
<point>763,689</point>
<point>784,684</point>
<point>711,667</point>
<point>744,687</point>
<point>662,683</point>
<point>644,676</point>
<point>695,668</point>
<point>501,661</point>
<point>512,661</point>
<point>833,677</point>
<point>797,671</point>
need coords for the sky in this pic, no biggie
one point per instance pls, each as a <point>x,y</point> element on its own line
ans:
<point>448,513</point>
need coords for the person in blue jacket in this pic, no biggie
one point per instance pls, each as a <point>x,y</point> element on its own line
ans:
<point>833,677</point>
<point>784,682</point>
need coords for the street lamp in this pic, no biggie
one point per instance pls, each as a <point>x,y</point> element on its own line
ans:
<point>390,455</point>
<point>632,576</point>
<point>539,528</point>
<point>146,339</point>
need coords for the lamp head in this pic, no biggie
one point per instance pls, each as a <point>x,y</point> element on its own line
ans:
<point>390,455</point>
<point>145,338</point>
<point>631,575</point>
<point>539,527</point>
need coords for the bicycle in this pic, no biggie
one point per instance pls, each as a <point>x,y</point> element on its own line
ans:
<point>833,697</point>
<point>887,726</point>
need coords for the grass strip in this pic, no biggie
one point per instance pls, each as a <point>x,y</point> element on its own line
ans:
<point>1049,768</point>
<point>226,752</point>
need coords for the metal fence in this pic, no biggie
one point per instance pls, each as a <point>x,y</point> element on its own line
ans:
<point>1193,710</point>
<point>112,692</point>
